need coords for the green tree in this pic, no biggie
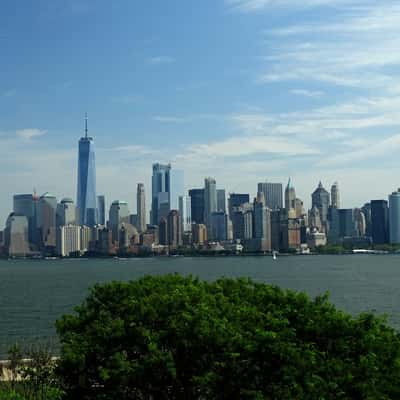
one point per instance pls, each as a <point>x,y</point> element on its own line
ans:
<point>176,337</point>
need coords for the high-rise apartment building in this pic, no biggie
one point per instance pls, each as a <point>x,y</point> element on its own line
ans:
<point>210,200</point>
<point>141,207</point>
<point>174,230</point>
<point>379,221</point>
<point>86,198</point>
<point>101,209</point>
<point>68,240</point>
<point>335,195</point>
<point>197,205</point>
<point>272,194</point>
<point>160,192</point>
<point>394,217</point>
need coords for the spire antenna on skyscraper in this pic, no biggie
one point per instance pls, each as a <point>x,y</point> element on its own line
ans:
<point>86,126</point>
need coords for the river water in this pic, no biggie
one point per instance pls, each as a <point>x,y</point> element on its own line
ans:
<point>34,293</point>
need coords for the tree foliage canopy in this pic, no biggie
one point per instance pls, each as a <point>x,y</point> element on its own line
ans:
<point>177,337</point>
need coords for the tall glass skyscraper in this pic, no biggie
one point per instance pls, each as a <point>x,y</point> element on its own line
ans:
<point>86,199</point>
<point>160,192</point>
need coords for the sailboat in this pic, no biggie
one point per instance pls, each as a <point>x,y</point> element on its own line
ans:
<point>274,255</point>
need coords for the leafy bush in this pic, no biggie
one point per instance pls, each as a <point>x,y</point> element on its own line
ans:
<point>173,337</point>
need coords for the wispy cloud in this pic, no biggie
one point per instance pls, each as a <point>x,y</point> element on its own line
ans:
<point>354,48</point>
<point>160,60</point>
<point>307,93</point>
<point>28,134</point>
<point>168,119</point>
<point>256,5</point>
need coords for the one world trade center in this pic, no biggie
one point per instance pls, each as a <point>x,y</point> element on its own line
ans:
<point>86,199</point>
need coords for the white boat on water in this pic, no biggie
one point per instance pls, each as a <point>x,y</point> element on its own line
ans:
<point>274,255</point>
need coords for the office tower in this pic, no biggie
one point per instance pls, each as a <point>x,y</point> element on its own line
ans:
<point>16,235</point>
<point>379,221</point>
<point>199,234</point>
<point>119,214</point>
<point>261,225</point>
<point>366,210</point>
<point>134,220</point>
<point>335,195</point>
<point>210,200</point>
<point>272,194</point>
<point>321,199</point>
<point>342,224</point>
<point>163,231</point>
<point>290,196</point>
<point>185,212</point>
<point>46,219</point>
<point>26,204</point>
<point>360,222</point>
<point>394,217</point>
<point>68,240</point>
<point>101,209</point>
<point>242,225</point>
<point>276,229</point>
<point>221,200</point>
<point>197,205</point>
<point>86,199</point>
<point>141,207</point>
<point>314,219</point>
<point>177,187</point>
<point>299,208</point>
<point>66,213</point>
<point>160,192</point>
<point>219,226</point>
<point>237,200</point>
<point>174,230</point>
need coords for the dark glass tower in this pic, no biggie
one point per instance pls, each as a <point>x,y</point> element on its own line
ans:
<point>379,221</point>
<point>86,199</point>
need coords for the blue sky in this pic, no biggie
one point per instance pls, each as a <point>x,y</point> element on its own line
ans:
<point>242,90</point>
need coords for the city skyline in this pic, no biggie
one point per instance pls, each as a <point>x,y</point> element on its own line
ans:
<point>261,91</point>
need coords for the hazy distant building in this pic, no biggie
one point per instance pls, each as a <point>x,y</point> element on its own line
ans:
<point>160,189</point>
<point>221,200</point>
<point>335,195</point>
<point>118,215</point>
<point>290,196</point>
<point>261,225</point>
<point>210,200</point>
<point>219,226</point>
<point>197,205</point>
<point>236,200</point>
<point>101,209</point>
<point>141,207</point>
<point>46,219</point>
<point>314,219</point>
<point>379,221</point>
<point>66,213</point>
<point>366,210</point>
<point>16,236</point>
<point>177,179</point>
<point>272,194</point>
<point>299,208</point>
<point>163,231</point>
<point>26,204</point>
<point>185,212</point>
<point>86,198</point>
<point>394,217</point>
<point>321,199</point>
<point>360,222</point>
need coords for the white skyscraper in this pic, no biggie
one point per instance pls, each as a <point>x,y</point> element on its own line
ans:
<point>185,206</point>
<point>210,200</point>
<point>141,207</point>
